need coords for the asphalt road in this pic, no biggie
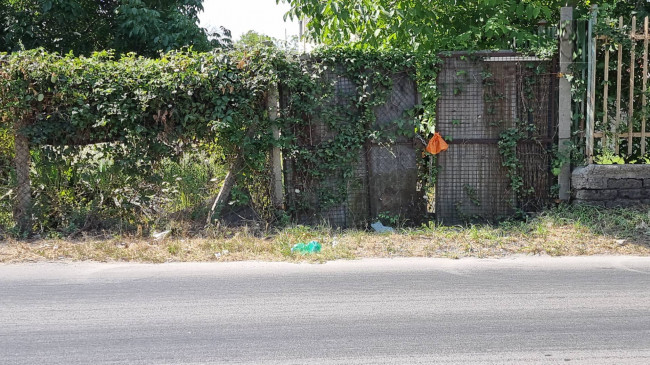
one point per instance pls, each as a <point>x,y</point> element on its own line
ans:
<point>402,311</point>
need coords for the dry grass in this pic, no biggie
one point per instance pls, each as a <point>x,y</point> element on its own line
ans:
<point>557,232</point>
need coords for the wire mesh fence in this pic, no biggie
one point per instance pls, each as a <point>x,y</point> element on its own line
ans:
<point>382,179</point>
<point>7,181</point>
<point>497,111</point>
<point>15,182</point>
<point>67,191</point>
<point>71,190</point>
<point>485,98</point>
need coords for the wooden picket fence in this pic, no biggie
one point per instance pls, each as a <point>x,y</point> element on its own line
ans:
<point>613,137</point>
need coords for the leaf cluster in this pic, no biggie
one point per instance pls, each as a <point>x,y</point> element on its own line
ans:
<point>83,26</point>
<point>433,25</point>
<point>318,94</point>
<point>147,107</point>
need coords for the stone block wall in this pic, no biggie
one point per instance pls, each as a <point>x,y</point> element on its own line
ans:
<point>611,185</point>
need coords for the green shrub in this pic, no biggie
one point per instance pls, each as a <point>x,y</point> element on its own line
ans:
<point>129,143</point>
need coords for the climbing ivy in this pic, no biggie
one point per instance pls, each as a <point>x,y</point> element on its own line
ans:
<point>152,107</point>
<point>507,145</point>
<point>313,98</point>
<point>138,111</point>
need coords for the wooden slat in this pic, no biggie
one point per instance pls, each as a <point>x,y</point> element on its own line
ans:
<point>630,115</point>
<point>606,91</point>
<point>645,84</point>
<point>638,37</point>
<point>619,78</point>
<point>619,135</point>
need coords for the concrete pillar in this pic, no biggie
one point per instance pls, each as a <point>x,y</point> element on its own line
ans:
<point>277,186</point>
<point>564,107</point>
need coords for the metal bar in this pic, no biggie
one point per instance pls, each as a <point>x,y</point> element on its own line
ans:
<point>630,115</point>
<point>619,78</point>
<point>456,54</point>
<point>564,100</point>
<point>582,107</point>
<point>591,86</point>
<point>493,141</point>
<point>645,85</point>
<point>605,92</point>
<point>473,141</point>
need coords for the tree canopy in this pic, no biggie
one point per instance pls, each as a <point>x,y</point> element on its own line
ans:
<point>253,39</point>
<point>435,24</point>
<point>82,26</point>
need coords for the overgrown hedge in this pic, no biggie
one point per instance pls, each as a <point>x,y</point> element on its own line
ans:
<point>138,112</point>
<point>150,106</point>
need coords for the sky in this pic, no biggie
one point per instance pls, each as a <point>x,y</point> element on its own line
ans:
<point>240,16</point>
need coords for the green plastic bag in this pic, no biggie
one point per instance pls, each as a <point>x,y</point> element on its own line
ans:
<point>305,248</point>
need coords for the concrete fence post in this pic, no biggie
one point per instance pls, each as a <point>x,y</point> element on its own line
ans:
<point>564,107</point>
<point>277,186</point>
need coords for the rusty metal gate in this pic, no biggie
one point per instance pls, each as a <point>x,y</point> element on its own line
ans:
<point>487,98</point>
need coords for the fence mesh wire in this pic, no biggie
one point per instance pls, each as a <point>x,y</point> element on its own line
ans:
<point>15,183</point>
<point>381,182</point>
<point>483,96</point>
<point>7,180</point>
<point>74,190</point>
<point>77,189</point>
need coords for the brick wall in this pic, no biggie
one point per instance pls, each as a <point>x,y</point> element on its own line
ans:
<point>611,185</point>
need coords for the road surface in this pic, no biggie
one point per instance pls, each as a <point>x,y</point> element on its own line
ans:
<point>401,311</point>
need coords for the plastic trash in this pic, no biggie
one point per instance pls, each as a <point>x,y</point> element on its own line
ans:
<point>160,235</point>
<point>304,248</point>
<point>380,228</point>
<point>436,144</point>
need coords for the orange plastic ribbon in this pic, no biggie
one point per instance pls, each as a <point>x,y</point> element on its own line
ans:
<point>436,144</point>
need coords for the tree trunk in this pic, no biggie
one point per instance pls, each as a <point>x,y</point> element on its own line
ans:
<point>226,188</point>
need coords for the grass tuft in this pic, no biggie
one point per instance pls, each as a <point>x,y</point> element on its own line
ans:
<point>564,230</point>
